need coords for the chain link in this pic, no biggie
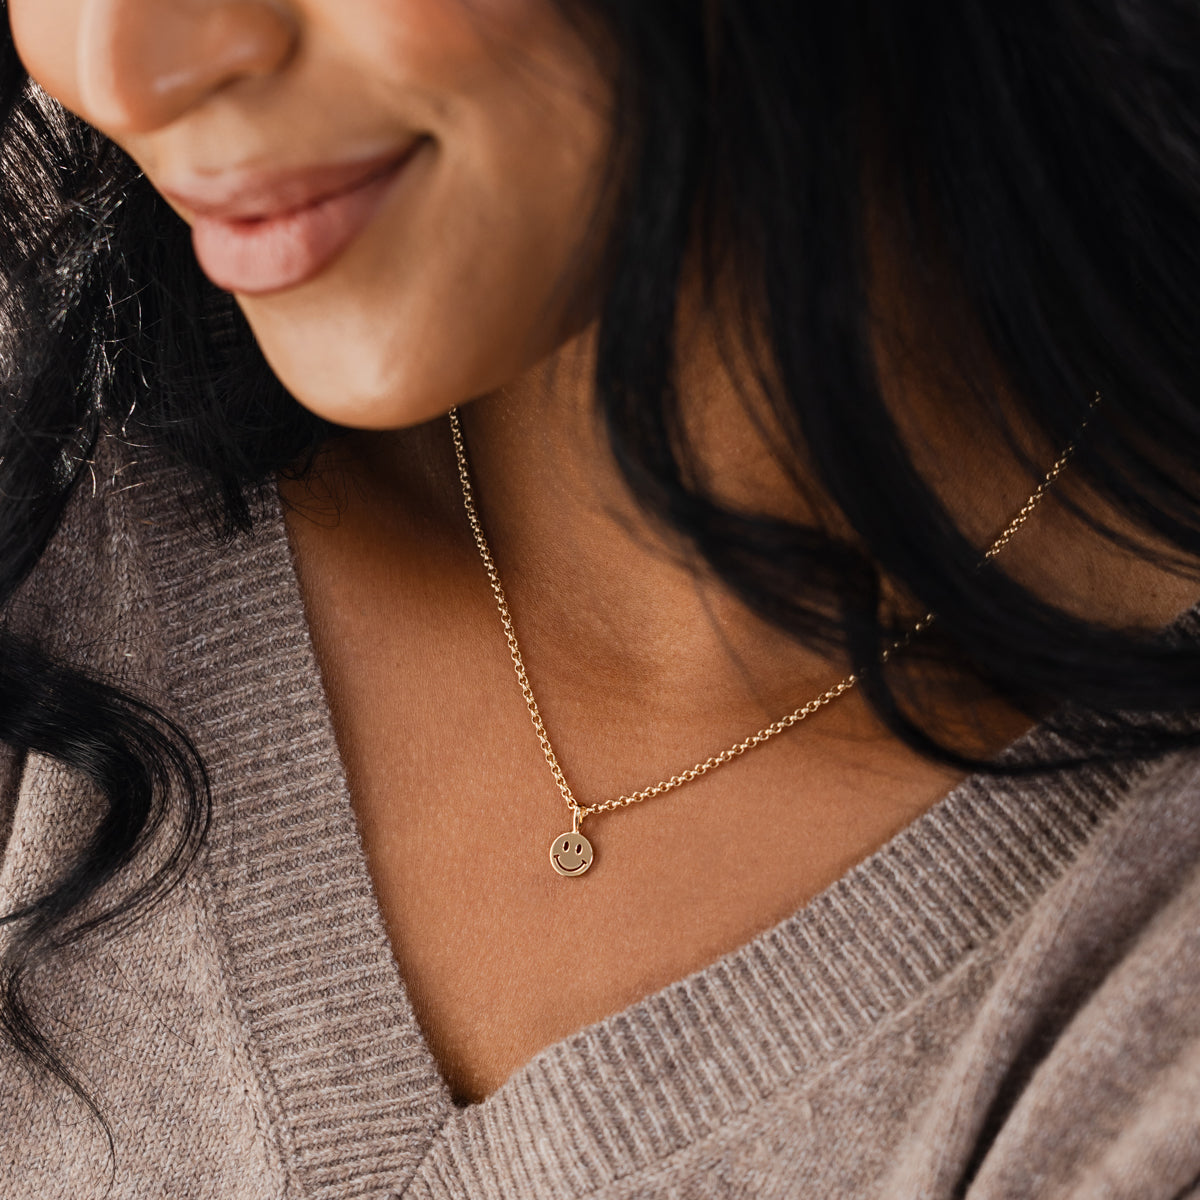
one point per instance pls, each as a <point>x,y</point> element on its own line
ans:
<point>1026,509</point>
<point>755,739</point>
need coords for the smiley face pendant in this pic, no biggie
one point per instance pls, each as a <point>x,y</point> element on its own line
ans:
<point>571,854</point>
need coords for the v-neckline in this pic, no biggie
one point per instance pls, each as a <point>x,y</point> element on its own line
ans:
<point>357,1090</point>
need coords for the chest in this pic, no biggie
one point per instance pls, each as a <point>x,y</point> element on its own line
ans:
<point>457,810</point>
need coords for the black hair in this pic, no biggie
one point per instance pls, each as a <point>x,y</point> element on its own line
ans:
<point>1048,152</point>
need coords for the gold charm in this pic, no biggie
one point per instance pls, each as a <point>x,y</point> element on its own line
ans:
<point>571,853</point>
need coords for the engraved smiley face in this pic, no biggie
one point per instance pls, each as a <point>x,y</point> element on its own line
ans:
<point>570,854</point>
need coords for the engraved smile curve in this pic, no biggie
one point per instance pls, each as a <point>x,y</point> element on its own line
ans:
<point>571,870</point>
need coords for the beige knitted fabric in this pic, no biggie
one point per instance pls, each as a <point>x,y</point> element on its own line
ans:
<point>1003,1002</point>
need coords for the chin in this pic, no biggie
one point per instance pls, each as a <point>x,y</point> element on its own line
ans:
<point>358,403</point>
<point>368,367</point>
<point>358,382</point>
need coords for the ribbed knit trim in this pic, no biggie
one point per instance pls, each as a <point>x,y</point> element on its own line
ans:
<point>357,1094</point>
<point>355,1091</point>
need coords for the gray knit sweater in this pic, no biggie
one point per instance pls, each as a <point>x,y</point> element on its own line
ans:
<point>1004,1001</point>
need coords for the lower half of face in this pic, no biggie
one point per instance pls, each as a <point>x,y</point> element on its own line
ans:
<point>401,194</point>
<point>462,279</point>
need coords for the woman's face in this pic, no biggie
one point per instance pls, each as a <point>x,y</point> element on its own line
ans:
<point>400,193</point>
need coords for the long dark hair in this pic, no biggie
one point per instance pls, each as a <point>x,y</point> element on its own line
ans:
<point>1049,151</point>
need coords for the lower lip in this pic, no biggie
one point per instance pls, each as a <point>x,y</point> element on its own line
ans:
<point>272,254</point>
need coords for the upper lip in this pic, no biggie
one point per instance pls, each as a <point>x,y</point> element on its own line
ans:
<point>258,193</point>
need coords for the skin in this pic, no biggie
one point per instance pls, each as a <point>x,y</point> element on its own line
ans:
<point>641,663</point>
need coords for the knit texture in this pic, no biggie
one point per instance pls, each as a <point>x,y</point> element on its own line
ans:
<point>1001,1002</point>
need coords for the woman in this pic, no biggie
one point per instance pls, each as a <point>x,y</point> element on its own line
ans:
<point>758,326</point>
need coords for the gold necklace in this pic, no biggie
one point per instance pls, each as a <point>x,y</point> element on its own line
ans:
<point>571,854</point>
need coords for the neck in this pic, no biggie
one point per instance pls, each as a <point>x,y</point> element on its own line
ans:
<point>591,579</point>
<point>616,614</point>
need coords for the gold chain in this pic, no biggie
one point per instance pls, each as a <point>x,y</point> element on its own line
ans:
<point>580,811</point>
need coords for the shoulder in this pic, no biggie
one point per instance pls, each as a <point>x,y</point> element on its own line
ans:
<point>1079,1073</point>
<point>137,1008</point>
<point>84,608</point>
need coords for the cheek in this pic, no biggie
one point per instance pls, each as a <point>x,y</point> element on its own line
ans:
<point>444,52</point>
<point>45,33</point>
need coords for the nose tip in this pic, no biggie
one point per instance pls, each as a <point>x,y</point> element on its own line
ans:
<point>142,64</point>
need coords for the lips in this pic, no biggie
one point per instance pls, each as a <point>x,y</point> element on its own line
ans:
<point>261,232</point>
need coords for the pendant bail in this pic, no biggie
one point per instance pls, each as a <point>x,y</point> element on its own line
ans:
<point>575,818</point>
